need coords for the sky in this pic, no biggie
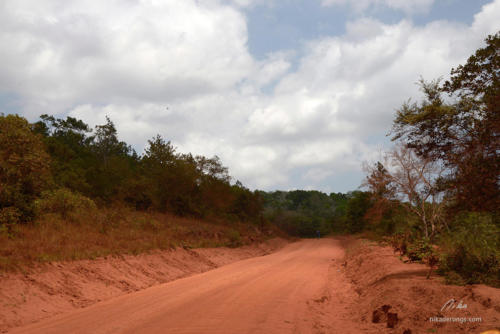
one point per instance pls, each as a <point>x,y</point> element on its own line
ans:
<point>289,94</point>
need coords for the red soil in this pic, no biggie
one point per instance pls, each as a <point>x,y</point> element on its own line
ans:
<point>56,288</point>
<point>381,278</point>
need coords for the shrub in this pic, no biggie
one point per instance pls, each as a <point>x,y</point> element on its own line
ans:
<point>419,250</point>
<point>472,250</point>
<point>399,242</point>
<point>65,203</point>
<point>234,238</point>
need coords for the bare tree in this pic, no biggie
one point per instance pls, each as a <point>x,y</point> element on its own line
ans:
<point>411,180</point>
<point>415,179</point>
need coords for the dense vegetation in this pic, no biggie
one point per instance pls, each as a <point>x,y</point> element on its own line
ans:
<point>313,213</point>
<point>56,163</point>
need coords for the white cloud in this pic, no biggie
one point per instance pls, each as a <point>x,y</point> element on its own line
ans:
<point>249,3</point>
<point>183,69</point>
<point>486,21</point>
<point>121,50</point>
<point>333,111</point>
<point>407,6</point>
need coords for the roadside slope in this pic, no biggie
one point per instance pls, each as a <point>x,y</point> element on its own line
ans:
<point>60,287</point>
<point>387,285</point>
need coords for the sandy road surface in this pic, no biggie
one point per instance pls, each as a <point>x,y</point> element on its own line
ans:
<point>299,289</point>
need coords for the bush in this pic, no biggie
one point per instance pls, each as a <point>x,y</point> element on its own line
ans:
<point>234,238</point>
<point>419,250</point>
<point>399,242</point>
<point>472,250</point>
<point>65,203</point>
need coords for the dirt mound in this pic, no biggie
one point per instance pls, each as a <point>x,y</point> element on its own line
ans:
<point>61,287</point>
<point>399,299</point>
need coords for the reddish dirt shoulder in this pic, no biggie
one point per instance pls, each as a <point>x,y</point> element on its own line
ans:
<point>56,288</point>
<point>388,286</point>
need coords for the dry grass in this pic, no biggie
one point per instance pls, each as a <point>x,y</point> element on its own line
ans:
<point>113,231</point>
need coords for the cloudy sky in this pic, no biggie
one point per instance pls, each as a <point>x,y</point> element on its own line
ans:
<point>290,94</point>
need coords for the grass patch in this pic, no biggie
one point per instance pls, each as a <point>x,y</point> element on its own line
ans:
<point>114,231</point>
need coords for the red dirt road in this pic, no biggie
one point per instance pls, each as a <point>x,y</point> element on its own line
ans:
<point>299,289</point>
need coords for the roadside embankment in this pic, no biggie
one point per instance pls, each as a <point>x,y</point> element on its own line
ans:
<point>399,299</point>
<point>57,287</point>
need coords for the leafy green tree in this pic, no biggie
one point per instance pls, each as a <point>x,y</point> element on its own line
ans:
<point>68,143</point>
<point>157,163</point>
<point>247,205</point>
<point>357,206</point>
<point>339,216</point>
<point>116,162</point>
<point>463,134</point>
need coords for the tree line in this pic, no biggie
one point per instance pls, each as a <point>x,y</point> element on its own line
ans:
<point>312,213</point>
<point>55,162</point>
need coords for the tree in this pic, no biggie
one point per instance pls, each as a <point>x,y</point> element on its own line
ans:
<point>463,134</point>
<point>24,165</point>
<point>356,208</point>
<point>157,164</point>
<point>115,163</point>
<point>106,143</point>
<point>68,143</point>
<point>380,185</point>
<point>413,181</point>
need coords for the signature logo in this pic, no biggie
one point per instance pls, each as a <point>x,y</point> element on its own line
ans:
<point>453,304</point>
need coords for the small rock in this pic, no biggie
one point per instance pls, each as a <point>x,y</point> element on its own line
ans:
<point>380,314</point>
<point>392,319</point>
<point>377,316</point>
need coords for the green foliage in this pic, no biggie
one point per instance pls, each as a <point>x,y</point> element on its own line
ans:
<point>303,213</point>
<point>459,199</point>
<point>69,147</point>
<point>463,134</point>
<point>357,206</point>
<point>419,250</point>
<point>471,250</point>
<point>64,202</point>
<point>96,164</point>
<point>247,205</point>
<point>416,249</point>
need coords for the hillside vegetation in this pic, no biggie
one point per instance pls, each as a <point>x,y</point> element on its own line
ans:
<point>70,192</point>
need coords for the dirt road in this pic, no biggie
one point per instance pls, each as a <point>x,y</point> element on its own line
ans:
<point>299,289</point>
